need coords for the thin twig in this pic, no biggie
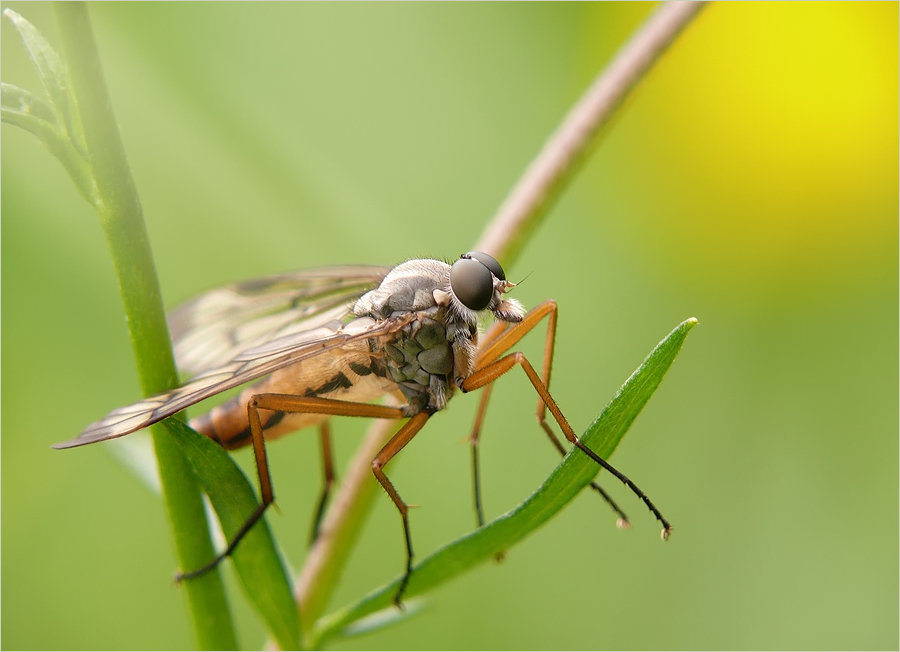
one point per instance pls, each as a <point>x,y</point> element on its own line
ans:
<point>542,182</point>
<point>325,560</point>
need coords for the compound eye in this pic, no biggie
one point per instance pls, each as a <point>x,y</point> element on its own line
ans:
<point>488,261</point>
<point>472,283</point>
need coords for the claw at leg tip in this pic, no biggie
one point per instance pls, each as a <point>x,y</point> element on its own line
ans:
<point>623,524</point>
<point>666,533</point>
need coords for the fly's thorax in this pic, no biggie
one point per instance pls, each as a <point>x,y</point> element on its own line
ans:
<point>435,351</point>
<point>422,284</point>
<point>421,359</point>
<point>408,287</point>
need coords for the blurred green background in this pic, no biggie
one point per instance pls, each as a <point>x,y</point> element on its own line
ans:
<point>751,182</point>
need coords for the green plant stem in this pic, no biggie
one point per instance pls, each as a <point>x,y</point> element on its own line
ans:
<point>122,220</point>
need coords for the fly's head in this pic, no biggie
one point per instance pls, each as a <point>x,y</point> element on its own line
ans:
<point>477,283</point>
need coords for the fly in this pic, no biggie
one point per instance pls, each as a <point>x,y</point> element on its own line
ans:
<point>327,342</point>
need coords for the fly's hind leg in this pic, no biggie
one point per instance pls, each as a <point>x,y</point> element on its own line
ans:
<point>293,404</point>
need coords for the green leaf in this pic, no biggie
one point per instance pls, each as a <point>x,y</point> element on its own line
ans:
<point>24,109</point>
<point>21,104</point>
<point>383,619</point>
<point>54,77</point>
<point>256,559</point>
<point>563,484</point>
<point>56,123</point>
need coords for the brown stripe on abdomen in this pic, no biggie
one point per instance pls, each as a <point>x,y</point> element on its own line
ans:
<point>347,376</point>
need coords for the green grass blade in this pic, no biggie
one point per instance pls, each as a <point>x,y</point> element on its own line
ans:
<point>563,484</point>
<point>384,619</point>
<point>261,570</point>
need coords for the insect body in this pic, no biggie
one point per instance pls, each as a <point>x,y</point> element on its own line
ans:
<point>430,349</point>
<point>319,345</point>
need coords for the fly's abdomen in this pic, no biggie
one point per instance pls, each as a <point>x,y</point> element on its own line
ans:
<point>228,423</point>
<point>344,375</point>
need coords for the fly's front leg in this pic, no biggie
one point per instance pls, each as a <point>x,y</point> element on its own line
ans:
<point>498,341</point>
<point>476,464</point>
<point>394,446</point>
<point>293,404</point>
<point>493,370</point>
<point>491,335</point>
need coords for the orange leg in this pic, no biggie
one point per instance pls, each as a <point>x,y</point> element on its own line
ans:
<point>327,479</point>
<point>476,465</point>
<point>497,340</point>
<point>294,404</point>
<point>490,368</point>
<point>394,446</point>
<point>495,331</point>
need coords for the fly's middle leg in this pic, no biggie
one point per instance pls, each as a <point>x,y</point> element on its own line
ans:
<point>394,446</point>
<point>327,479</point>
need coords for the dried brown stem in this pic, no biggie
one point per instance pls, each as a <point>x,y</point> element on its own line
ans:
<point>340,527</point>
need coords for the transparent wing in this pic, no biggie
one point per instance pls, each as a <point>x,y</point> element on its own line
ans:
<point>213,328</point>
<point>249,365</point>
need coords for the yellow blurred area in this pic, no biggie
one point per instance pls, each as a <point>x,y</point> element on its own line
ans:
<point>788,115</point>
